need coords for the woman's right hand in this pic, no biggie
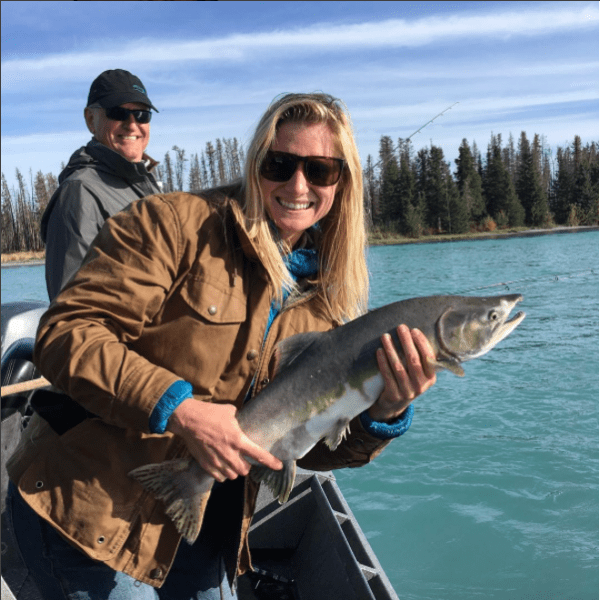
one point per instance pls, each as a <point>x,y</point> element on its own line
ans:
<point>215,439</point>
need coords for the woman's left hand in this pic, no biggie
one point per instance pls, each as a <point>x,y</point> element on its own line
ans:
<point>404,379</point>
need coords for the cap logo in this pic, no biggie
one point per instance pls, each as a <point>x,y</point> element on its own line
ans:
<point>140,89</point>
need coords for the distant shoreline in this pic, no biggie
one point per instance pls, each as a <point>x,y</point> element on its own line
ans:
<point>17,259</point>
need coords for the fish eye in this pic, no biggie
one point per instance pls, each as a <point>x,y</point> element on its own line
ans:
<point>493,316</point>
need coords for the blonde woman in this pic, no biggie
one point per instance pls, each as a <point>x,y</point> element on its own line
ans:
<point>163,334</point>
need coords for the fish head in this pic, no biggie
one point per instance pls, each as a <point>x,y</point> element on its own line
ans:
<point>471,326</point>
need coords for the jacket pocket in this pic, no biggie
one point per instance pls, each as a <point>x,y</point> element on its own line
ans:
<point>215,301</point>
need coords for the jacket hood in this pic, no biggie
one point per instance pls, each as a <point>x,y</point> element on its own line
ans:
<point>98,157</point>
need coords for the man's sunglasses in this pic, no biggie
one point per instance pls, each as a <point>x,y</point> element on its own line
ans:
<point>321,171</point>
<point>118,113</point>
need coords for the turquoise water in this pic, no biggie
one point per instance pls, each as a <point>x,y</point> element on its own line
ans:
<point>493,492</point>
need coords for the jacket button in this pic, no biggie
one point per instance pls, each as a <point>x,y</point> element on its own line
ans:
<point>101,539</point>
<point>156,573</point>
<point>39,485</point>
<point>265,381</point>
<point>252,355</point>
<point>212,309</point>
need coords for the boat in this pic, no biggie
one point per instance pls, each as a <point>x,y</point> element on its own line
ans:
<point>310,548</point>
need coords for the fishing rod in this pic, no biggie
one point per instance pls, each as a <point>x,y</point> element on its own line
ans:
<point>431,120</point>
<point>417,131</point>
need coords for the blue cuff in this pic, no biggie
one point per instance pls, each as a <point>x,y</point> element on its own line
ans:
<point>387,431</point>
<point>170,400</point>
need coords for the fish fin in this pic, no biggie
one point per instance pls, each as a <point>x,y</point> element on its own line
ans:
<point>289,349</point>
<point>448,364</point>
<point>170,482</point>
<point>337,434</point>
<point>279,482</point>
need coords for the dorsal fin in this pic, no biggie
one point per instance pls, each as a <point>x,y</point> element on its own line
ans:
<point>289,349</point>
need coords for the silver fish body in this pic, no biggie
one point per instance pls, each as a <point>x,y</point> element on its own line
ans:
<point>323,381</point>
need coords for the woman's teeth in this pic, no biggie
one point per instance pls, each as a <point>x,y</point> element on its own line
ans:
<point>294,205</point>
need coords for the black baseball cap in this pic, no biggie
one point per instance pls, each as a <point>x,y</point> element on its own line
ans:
<point>116,87</point>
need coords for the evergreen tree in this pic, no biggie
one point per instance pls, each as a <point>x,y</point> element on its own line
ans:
<point>562,187</point>
<point>499,191</point>
<point>195,180</point>
<point>180,161</point>
<point>388,197</point>
<point>529,187</point>
<point>204,172</point>
<point>408,218</point>
<point>222,176</point>
<point>168,174</point>
<point>369,190</point>
<point>469,183</point>
<point>212,165</point>
<point>41,193</point>
<point>435,190</point>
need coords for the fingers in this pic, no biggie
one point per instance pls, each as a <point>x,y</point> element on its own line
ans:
<point>407,370</point>
<point>254,451</point>
<point>225,458</point>
<point>416,350</point>
<point>396,378</point>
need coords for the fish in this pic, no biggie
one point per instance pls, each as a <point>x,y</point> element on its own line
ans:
<point>325,379</point>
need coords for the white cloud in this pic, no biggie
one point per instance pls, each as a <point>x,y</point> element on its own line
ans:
<point>392,33</point>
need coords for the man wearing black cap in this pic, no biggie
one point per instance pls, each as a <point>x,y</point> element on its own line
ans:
<point>103,177</point>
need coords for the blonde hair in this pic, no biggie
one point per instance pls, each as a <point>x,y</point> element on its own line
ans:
<point>342,282</point>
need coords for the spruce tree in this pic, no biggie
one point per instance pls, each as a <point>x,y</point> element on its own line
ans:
<point>529,187</point>
<point>469,183</point>
<point>435,190</point>
<point>388,197</point>
<point>501,199</point>
<point>562,187</point>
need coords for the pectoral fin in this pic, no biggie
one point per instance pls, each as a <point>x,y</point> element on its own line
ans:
<point>337,434</point>
<point>279,482</point>
<point>447,364</point>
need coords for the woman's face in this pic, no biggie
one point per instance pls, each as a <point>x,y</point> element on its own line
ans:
<point>295,205</point>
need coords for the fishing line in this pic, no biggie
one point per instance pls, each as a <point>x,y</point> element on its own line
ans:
<point>507,286</point>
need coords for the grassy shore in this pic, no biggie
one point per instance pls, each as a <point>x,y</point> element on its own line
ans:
<point>379,238</point>
<point>23,257</point>
<point>383,238</point>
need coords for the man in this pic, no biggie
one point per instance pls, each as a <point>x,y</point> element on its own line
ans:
<point>103,177</point>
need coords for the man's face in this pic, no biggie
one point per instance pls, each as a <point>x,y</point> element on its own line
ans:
<point>128,138</point>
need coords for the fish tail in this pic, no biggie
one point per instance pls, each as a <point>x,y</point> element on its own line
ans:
<point>184,495</point>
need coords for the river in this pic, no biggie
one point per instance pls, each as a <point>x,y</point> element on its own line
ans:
<point>493,492</point>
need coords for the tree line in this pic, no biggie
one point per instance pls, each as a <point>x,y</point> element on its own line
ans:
<point>405,192</point>
<point>23,206</point>
<point>415,193</point>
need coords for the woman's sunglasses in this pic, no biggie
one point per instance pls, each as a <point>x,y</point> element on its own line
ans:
<point>321,171</point>
<point>118,113</point>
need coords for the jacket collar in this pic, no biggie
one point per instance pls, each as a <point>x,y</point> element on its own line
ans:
<point>132,171</point>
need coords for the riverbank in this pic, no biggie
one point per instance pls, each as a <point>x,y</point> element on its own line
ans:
<point>393,239</point>
<point>20,259</point>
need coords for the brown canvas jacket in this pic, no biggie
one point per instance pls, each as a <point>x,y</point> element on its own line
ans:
<point>171,289</point>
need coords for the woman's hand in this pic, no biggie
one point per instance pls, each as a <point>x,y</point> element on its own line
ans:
<point>215,439</point>
<point>404,380</point>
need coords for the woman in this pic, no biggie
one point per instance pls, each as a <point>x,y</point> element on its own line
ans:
<point>166,330</point>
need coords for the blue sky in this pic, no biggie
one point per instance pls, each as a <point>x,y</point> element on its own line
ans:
<point>212,68</point>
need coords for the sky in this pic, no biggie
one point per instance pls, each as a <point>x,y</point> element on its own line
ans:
<point>212,68</point>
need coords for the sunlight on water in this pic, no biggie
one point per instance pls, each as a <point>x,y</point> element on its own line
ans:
<point>493,492</point>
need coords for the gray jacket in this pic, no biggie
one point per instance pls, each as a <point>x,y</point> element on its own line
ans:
<point>97,183</point>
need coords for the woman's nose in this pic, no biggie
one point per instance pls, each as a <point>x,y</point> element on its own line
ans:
<point>298,181</point>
